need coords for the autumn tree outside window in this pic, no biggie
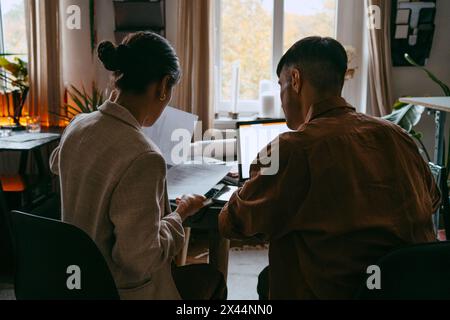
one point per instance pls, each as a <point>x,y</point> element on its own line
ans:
<point>256,33</point>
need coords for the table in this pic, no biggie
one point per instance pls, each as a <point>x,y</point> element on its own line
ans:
<point>206,219</point>
<point>219,247</point>
<point>32,188</point>
<point>26,143</point>
<point>440,106</point>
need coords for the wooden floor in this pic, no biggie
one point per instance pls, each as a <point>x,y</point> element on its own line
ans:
<point>6,292</point>
<point>246,261</point>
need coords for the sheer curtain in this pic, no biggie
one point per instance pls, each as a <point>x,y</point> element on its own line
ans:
<point>380,62</point>
<point>44,59</point>
<point>194,43</point>
<point>42,18</point>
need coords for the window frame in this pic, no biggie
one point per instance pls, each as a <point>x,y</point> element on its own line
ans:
<point>351,21</point>
<point>2,35</point>
<point>2,41</point>
<point>250,107</point>
<point>24,56</point>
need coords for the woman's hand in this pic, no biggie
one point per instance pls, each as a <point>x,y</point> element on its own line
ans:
<point>188,205</point>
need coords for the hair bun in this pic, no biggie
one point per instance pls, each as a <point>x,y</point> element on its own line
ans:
<point>108,54</point>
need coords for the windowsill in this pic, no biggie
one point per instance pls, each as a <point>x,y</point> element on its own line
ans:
<point>226,123</point>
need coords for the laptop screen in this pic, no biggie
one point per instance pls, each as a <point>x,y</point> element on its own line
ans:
<point>254,137</point>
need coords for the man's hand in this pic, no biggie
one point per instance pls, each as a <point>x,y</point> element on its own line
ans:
<point>188,205</point>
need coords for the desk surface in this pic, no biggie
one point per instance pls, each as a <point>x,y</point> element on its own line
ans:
<point>435,103</point>
<point>27,141</point>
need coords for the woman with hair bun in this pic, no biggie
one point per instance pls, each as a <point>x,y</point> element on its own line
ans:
<point>113,179</point>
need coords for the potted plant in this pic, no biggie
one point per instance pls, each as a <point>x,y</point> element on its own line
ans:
<point>15,86</point>
<point>80,102</point>
<point>408,116</point>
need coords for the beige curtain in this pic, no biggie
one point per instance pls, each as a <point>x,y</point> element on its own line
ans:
<point>380,62</point>
<point>194,46</point>
<point>44,59</point>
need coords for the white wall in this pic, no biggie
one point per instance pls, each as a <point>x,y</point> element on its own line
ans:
<point>105,31</point>
<point>80,66</point>
<point>350,14</point>
<point>76,53</point>
<point>409,81</point>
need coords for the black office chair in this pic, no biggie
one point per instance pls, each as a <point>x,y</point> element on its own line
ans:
<point>6,256</point>
<point>440,176</point>
<point>45,251</point>
<point>419,272</point>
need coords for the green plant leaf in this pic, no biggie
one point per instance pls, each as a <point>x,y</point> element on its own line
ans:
<point>399,105</point>
<point>78,101</point>
<point>85,98</point>
<point>407,117</point>
<point>18,69</point>
<point>81,101</point>
<point>81,98</point>
<point>443,86</point>
<point>417,135</point>
<point>71,109</point>
<point>59,115</point>
<point>78,104</point>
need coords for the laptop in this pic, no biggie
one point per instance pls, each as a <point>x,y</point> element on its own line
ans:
<point>253,137</point>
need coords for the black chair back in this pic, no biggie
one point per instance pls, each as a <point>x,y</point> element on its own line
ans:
<point>419,272</point>
<point>440,176</point>
<point>57,261</point>
<point>6,255</point>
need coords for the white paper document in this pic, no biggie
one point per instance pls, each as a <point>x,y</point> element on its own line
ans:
<point>168,127</point>
<point>194,178</point>
<point>184,177</point>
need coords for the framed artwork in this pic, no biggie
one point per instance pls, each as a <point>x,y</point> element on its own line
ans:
<point>412,30</point>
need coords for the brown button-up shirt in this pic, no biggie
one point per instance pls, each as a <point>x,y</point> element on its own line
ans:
<point>349,189</point>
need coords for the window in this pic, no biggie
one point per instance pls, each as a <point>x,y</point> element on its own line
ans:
<point>256,33</point>
<point>246,36</point>
<point>303,18</point>
<point>13,38</point>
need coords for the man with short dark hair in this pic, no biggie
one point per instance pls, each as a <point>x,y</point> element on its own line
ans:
<point>349,188</point>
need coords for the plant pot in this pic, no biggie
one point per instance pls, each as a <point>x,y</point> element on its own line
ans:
<point>13,103</point>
